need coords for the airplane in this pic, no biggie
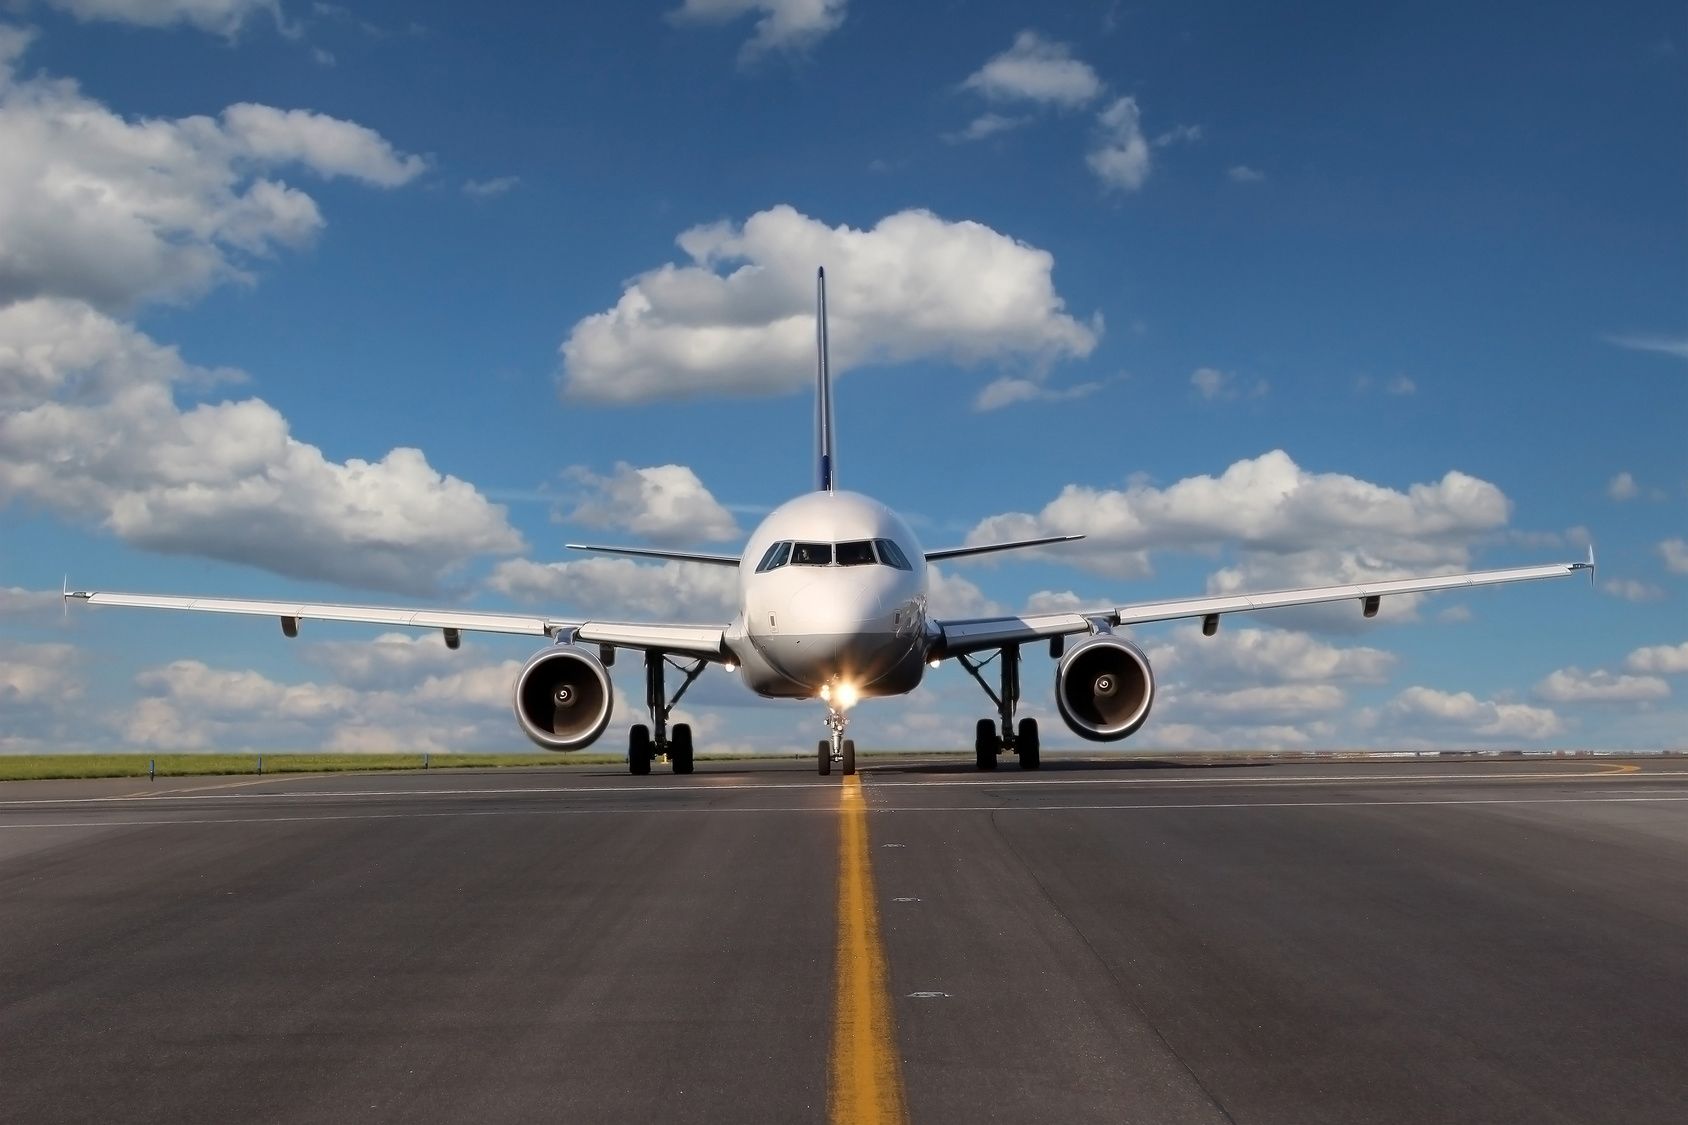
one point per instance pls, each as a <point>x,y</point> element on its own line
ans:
<point>833,589</point>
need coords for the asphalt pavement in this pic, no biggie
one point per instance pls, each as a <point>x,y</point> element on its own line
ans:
<point>1100,940</point>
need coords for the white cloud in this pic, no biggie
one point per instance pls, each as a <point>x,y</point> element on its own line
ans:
<point>1218,386</point>
<point>1249,655</point>
<point>1573,685</point>
<point>1038,70</point>
<point>1243,174</point>
<point>1462,711</point>
<point>1121,154</point>
<point>1675,554</point>
<point>489,189</point>
<point>116,212</point>
<point>620,587</point>
<point>951,597</point>
<point>1011,389</point>
<point>1623,487</point>
<point>390,661</point>
<point>915,286</point>
<point>1274,703</point>
<point>1665,345</point>
<point>781,25</point>
<point>220,17</point>
<point>1631,590</point>
<point>663,503</point>
<point>18,604</point>
<point>35,675</point>
<point>90,428</point>
<point>1179,134</point>
<point>1670,660</point>
<point>987,125</point>
<point>1061,601</point>
<point>1293,522</point>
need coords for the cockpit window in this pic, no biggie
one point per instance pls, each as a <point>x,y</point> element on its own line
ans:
<point>811,554</point>
<point>856,553</point>
<point>775,558</point>
<point>891,555</point>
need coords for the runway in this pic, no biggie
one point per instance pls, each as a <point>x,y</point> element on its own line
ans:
<point>1099,941</point>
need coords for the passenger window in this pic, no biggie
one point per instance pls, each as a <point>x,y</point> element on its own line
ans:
<point>857,553</point>
<point>811,554</point>
<point>891,554</point>
<point>775,558</point>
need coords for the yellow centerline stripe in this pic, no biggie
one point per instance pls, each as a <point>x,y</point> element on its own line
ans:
<point>866,1079</point>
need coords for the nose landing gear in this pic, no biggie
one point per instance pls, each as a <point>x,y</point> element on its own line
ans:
<point>836,748</point>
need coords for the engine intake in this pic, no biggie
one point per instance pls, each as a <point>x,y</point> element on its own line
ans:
<point>1103,687</point>
<point>563,698</point>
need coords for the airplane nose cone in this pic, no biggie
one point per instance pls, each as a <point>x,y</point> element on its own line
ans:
<point>836,627</point>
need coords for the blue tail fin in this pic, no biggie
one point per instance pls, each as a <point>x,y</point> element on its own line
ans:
<point>824,452</point>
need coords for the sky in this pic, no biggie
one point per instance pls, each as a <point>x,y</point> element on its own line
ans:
<point>386,302</point>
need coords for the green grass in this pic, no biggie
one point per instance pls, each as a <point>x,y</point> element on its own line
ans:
<point>21,767</point>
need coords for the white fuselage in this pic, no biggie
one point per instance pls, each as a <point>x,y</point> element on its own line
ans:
<point>827,604</point>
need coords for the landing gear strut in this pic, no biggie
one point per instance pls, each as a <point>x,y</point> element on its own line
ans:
<point>836,748</point>
<point>642,746</point>
<point>988,740</point>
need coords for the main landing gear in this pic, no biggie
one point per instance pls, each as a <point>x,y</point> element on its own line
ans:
<point>836,748</point>
<point>988,741</point>
<point>642,745</point>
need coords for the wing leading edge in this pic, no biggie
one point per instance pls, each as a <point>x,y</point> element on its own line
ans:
<point>959,637</point>
<point>704,641</point>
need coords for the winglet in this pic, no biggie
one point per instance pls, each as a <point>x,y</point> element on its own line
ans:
<point>1591,563</point>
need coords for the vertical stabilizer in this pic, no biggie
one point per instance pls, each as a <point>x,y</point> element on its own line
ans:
<point>824,451</point>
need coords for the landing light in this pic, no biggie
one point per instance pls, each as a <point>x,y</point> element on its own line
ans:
<point>933,663</point>
<point>846,696</point>
<point>729,666</point>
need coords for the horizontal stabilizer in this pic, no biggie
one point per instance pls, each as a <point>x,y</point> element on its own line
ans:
<point>983,548</point>
<point>649,553</point>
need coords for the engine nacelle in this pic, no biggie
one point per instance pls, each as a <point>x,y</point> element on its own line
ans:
<point>1103,687</point>
<point>563,698</point>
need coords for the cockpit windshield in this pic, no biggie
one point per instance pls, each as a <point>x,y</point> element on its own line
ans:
<point>811,554</point>
<point>857,553</point>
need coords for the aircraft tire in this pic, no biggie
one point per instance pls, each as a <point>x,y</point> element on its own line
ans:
<point>849,765</point>
<point>1027,744</point>
<point>985,744</point>
<point>639,750</point>
<point>824,756</point>
<point>680,748</point>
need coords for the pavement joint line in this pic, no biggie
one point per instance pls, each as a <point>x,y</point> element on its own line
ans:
<point>865,1078</point>
<point>585,790</point>
<point>883,810</point>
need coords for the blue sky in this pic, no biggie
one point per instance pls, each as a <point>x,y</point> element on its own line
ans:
<point>387,301</point>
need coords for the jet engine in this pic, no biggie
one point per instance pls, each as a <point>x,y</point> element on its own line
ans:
<point>1103,687</point>
<point>563,698</point>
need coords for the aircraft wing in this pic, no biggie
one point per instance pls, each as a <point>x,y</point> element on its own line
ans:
<point>994,632</point>
<point>703,641</point>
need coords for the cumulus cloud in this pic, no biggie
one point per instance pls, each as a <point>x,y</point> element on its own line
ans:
<point>1120,156</point>
<point>951,597</point>
<point>1573,685</point>
<point>1243,174</point>
<point>90,428</point>
<point>34,675</point>
<point>116,212</point>
<point>1623,487</point>
<point>1248,655</point>
<point>18,604</point>
<point>1631,590</point>
<point>389,661</point>
<point>1675,554</point>
<point>1464,712</point>
<point>662,503</point>
<point>781,25</point>
<point>1289,521</point>
<point>915,286</point>
<point>1669,660</point>
<point>220,17</point>
<point>1038,70</point>
<point>1274,703</point>
<point>608,588</point>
